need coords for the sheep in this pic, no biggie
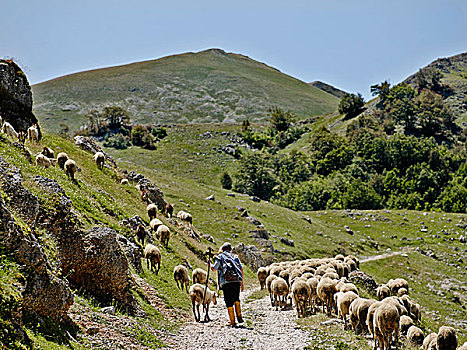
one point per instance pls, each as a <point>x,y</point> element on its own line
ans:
<point>382,292</point>
<point>8,129</point>
<point>401,292</point>
<point>313,283</point>
<point>197,292</point>
<point>181,277</point>
<point>99,158</point>
<point>269,280</point>
<point>348,287</point>
<point>280,290</point>
<point>33,133</point>
<point>446,339</point>
<point>169,210</point>
<point>285,275</point>
<point>352,264</point>
<point>301,293</point>
<point>463,347</point>
<point>141,233</point>
<point>326,289</point>
<point>262,275</point>
<point>358,313</point>
<point>199,276</point>
<point>163,233</point>
<point>369,319</point>
<point>397,303</point>
<point>21,137</point>
<point>398,283</point>
<point>331,275</point>
<point>415,336</point>
<point>124,181</point>
<point>70,168</point>
<point>61,160</point>
<point>48,152</point>
<point>153,256</point>
<point>44,161</point>
<point>184,216</point>
<point>343,303</point>
<point>429,341</point>
<point>405,323</point>
<point>386,322</point>
<point>154,224</point>
<point>152,211</point>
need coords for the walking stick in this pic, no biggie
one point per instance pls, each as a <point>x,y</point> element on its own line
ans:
<point>210,254</point>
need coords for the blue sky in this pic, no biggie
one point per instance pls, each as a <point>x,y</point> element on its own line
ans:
<point>350,44</point>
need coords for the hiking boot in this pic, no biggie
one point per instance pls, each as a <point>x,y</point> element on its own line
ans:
<point>231,312</point>
<point>238,312</point>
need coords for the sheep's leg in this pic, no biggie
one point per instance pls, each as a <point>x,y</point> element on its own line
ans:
<point>194,311</point>
<point>158,267</point>
<point>206,317</point>
<point>147,263</point>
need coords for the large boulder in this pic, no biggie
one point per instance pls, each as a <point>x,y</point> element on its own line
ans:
<point>15,96</point>
<point>249,255</point>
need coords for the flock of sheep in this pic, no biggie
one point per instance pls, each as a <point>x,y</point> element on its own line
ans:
<point>322,283</point>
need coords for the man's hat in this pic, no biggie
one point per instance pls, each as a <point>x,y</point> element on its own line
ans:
<point>226,246</point>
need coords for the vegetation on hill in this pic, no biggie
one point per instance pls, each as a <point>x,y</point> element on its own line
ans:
<point>208,86</point>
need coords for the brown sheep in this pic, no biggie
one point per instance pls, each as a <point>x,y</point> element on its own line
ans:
<point>269,280</point>
<point>382,292</point>
<point>70,169</point>
<point>48,152</point>
<point>61,160</point>
<point>181,277</point>
<point>415,336</point>
<point>199,276</point>
<point>141,233</point>
<point>326,289</point>
<point>446,339</point>
<point>343,303</point>
<point>163,233</point>
<point>153,257</point>
<point>99,158</point>
<point>301,293</point>
<point>280,290</point>
<point>169,210</point>
<point>262,275</point>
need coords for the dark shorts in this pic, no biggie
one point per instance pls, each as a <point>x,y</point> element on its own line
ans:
<point>231,293</point>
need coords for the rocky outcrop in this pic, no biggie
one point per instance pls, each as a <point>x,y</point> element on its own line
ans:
<point>249,255</point>
<point>364,280</point>
<point>89,145</point>
<point>153,194</point>
<point>15,96</point>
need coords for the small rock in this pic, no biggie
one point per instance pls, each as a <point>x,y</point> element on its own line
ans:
<point>108,310</point>
<point>210,198</point>
<point>231,194</point>
<point>255,199</point>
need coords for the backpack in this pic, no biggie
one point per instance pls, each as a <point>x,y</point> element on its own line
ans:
<point>230,270</point>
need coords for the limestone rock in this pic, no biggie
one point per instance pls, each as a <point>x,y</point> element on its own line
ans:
<point>249,255</point>
<point>132,252</point>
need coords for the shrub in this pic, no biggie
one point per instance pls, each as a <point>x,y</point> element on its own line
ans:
<point>226,181</point>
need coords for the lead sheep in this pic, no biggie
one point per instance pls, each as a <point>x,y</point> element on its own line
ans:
<point>181,277</point>
<point>184,216</point>
<point>163,233</point>
<point>8,129</point>
<point>33,133</point>
<point>152,211</point>
<point>99,158</point>
<point>262,275</point>
<point>197,294</point>
<point>153,257</point>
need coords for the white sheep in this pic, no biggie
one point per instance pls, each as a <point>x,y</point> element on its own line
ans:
<point>70,168</point>
<point>199,276</point>
<point>62,157</point>
<point>382,292</point>
<point>197,293</point>
<point>343,301</point>
<point>463,347</point>
<point>152,211</point>
<point>326,289</point>
<point>8,129</point>
<point>181,277</point>
<point>404,324</point>
<point>124,181</point>
<point>369,320</point>
<point>155,223</point>
<point>280,291</point>
<point>48,152</point>
<point>44,161</point>
<point>153,257</point>
<point>429,342</point>
<point>99,158</point>
<point>163,233</point>
<point>33,133</point>
<point>184,216</point>
<point>262,275</point>
<point>269,280</point>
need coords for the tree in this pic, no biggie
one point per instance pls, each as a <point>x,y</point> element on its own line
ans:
<point>351,104</point>
<point>115,116</point>
<point>280,120</point>
<point>226,181</point>
<point>429,78</point>
<point>399,105</point>
<point>381,90</point>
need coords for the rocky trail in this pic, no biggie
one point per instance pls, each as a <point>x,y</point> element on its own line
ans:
<point>264,328</point>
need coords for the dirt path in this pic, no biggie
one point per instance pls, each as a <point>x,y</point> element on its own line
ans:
<point>264,328</point>
<point>386,255</point>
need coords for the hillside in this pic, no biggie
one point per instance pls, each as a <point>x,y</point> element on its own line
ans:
<point>208,86</point>
<point>328,88</point>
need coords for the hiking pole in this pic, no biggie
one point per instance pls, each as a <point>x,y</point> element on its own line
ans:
<point>209,254</point>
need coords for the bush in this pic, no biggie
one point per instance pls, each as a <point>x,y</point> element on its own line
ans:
<point>117,141</point>
<point>226,181</point>
<point>351,104</point>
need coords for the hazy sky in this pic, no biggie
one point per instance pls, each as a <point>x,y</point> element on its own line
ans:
<point>350,44</point>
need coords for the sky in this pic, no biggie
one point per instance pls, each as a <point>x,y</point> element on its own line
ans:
<point>350,44</point>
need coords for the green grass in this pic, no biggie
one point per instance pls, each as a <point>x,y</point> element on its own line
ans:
<point>177,88</point>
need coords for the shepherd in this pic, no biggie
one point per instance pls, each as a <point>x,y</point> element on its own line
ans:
<point>230,277</point>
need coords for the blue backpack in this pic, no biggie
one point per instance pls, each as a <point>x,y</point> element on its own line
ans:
<point>230,269</point>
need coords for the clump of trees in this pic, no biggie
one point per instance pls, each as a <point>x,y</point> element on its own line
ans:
<point>112,124</point>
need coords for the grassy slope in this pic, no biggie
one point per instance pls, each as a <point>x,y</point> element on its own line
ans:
<point>208,86</point>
